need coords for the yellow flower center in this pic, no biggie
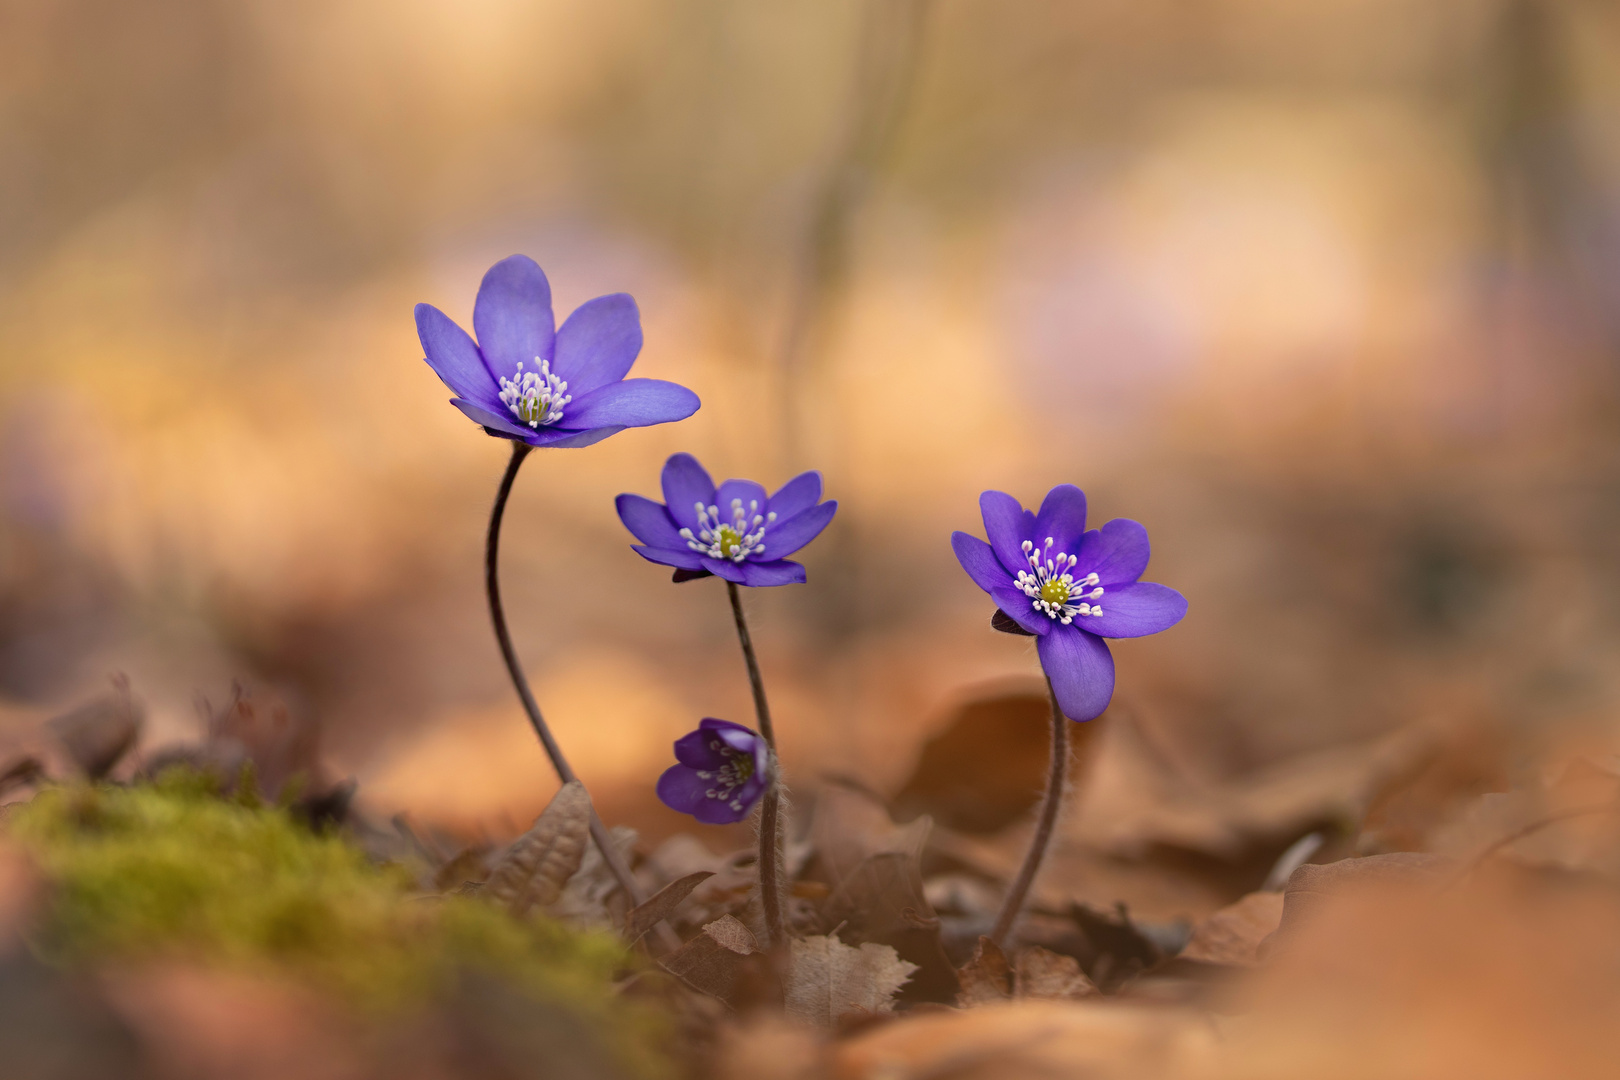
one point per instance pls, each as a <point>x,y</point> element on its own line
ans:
<point>1055,592</point>
<point>729,540</point>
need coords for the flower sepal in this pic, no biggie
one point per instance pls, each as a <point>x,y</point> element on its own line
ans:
<point>1000,620</point>
<point>681,575</point>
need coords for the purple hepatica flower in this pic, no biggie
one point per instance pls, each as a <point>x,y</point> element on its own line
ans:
<point>1069,588</point>
<point>721,775</point>
<point>527,381</point>
<point>734,532</point>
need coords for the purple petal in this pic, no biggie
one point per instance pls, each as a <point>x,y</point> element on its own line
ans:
<point>631,403</point>
<point>736,735</point>
<point>503,424</point>
<point>649,521</point>
<point>796,496</point>
<point>684,558</point>
<point>454,358</point>
<point>783,538</point>
<point>1081,669</point>
<point>1136,610</point>
<point>764,574</point>
<point>1021,610</point>
<point>701,749</point>
<point>724,568</point>
<point>1117,553</point>
<point>681,789</point>
<point>512,316</point>
<point>1062,517</point>
<point>597,343</point>
<point>746,490</point>
<point>718,812</point>
<point>1007,525</point>
<point>980,562</point>
<point>686,484</point>
<point>568,440</point>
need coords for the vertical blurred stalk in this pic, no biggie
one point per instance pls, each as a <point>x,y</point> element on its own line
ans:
<point>885,72</point>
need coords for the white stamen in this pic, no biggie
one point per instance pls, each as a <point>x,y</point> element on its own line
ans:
<point>1051,585</point>
<point>535,397</point>
<point>742,534</point>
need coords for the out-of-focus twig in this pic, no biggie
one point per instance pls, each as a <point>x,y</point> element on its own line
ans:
<point>885,72</point>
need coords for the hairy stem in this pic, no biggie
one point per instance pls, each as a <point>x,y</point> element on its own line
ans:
<point>770,816</point>
<point>1014,903</point>
<point>497,614</point>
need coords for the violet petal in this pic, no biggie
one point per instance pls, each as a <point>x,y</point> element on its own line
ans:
<point>1062,517</point>
<point>649,521</point>
<point>1081,669</point>
<point>512,316</point>
<point>783,538</point>
<point>598,343</point>
<point>1136,610</point>
<point>1117,553</point>
<point>796,496</point>
<point>631,403</point>
<point>980,562</point>
<point>757,575</point>
<point>1007,525</point>
<point>685,484</point>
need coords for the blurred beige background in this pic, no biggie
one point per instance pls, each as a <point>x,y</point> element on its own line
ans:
<point>1324,294</point>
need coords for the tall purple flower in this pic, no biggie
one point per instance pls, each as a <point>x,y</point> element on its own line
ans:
<point>1068,587</point>
<point>734,531</point>
<point>525,380</point>
<point>721,772</point>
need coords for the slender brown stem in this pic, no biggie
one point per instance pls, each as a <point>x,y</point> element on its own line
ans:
<point>1014,903</point>
<point>497,614</point>
<point>770,808</point>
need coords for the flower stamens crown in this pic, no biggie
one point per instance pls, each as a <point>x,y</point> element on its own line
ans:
<point>1051,585</point>
<point>535,397</point>
<point>735,540</point>
<point>737,771</point>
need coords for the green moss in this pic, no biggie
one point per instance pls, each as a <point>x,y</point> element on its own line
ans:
<point>171,867</point>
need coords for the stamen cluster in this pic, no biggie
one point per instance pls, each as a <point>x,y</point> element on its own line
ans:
<point>730,777</point>
<point>1050,584</point>
<point>535,397</point>
<point>736,539</point>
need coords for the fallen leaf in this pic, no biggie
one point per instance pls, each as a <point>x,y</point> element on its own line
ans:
<point>986,977</point>
<point>1044,975</point>
<point>1232,935</point>
<point>851,826</point>
<point>1119,950</point>
<point>712,962</point>
<point>537,866</point>
<point>661,904</point>
<point>828,980</point>
<point>1035,1040</point>
<point>1314,885</point>
<point>97,734</point>
<point>883,902</point>
<point>592,897</point>
<point>467,865</point>
<point>986,768</point>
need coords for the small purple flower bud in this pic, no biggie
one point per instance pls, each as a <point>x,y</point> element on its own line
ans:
<point>722,771</point>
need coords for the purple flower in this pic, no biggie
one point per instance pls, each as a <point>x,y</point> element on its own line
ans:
<point>734,532</point>
<point>722,772</point>
<point>1068,587</point>
<point>527,381</point>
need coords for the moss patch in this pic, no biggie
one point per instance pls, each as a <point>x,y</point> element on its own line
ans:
<point>171,866</point>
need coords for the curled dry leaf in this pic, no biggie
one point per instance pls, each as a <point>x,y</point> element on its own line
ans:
<point>986,977</point>
<point>1043,975</point>
<point>662,904</point>
<point>1232,936</point>
<point>829,980</point>
<point>537,866</point>
<point>1313,885</point>
<point>592,897</point>
<point>713,962</point>
<point>97,734</point>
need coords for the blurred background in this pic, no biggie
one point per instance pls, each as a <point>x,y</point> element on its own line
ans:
<point>1325,295</point>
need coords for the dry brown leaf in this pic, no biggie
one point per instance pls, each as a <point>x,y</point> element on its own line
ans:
<point>592,897</point>
<point>97,734</point>
<point>713,961</point>
<point>849,827</point>
<point>1034,1040</point>
<point>1044,975</point>
<point>1232,935</point>
<point>661,905</point>
<point>537,866</point>
<point>986,977</point>
<point>828,980</point>
<point>1314,885</point>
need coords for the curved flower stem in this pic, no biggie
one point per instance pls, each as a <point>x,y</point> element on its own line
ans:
<point>1014,903</point>
<point>497,614</point>
<point>770,816</point>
